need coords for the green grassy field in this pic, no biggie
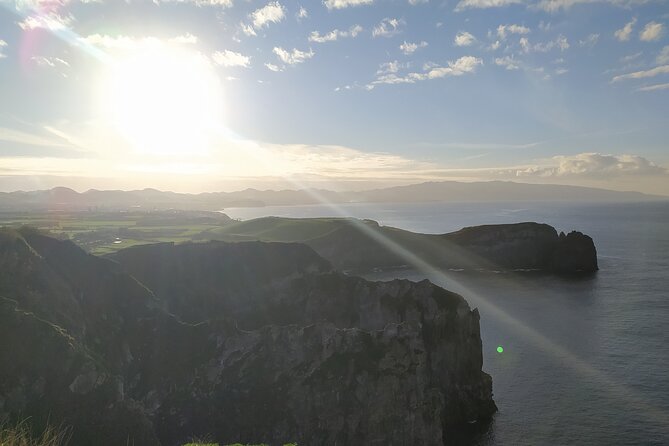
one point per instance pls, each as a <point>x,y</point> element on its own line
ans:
<point>105,232</point>
<point>278,229</point>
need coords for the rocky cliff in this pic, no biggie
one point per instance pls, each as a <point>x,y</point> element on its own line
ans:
<point>528,246</point>
<point>243,342</point>
<point>361,245</point>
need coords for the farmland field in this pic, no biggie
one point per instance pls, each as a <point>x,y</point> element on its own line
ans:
<point>105,232</point>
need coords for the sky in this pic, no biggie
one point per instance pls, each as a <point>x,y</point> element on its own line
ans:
<point>209,95</point>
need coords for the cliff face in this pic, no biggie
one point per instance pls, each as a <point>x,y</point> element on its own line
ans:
<point>529,246</point>
<point>362,245</point>
<point>574,252</point>
<point>277,348</point>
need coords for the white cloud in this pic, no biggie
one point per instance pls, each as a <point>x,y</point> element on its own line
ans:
<point>560,43</point>
<point>556,5</point>
<point>335,34</point>
<point>389,72</point>
<point>663,69</point>
<point>339,162</point>
<point>3,44</point>
<point>187,38</point>
<point>42,140</point>
<point>624,33</point>
<point>272,12</point>
<point>544,5</point>
<point>391,67</point>
<point>340,4</point>
<point>51,21</point>
<point>654,87</point>
<point>388,27</point>
<point>229,58</point>
<point>651,32</point>
<point>272,67</point>
<point>49,61</point>
<point>463,38</point>
<point>663,56</point>
<point>504,30</point>
<point>221,3</point>
<point>507,62</point>
<point>631,57</point>
<point>584,167</point>
<point>127,42</point>
<point>410,48</point>
<point>292,57</point>
<point>597,165</point>
<point>248,29</point>
<point>417,2</point>
<point>589,41</point>
<point>465,64</point>
<point>481,4</point>
<point>224,3</point>
<point>302,13</point>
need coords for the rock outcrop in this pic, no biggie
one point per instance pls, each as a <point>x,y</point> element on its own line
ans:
<point>528,246</point>
<point>363,245</point>
<point>240,342</point>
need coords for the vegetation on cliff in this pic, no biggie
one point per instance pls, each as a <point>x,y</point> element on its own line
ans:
<point>275,346</point>
<point>351,244</point>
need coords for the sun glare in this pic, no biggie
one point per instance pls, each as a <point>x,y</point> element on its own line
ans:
<point>164,101</point>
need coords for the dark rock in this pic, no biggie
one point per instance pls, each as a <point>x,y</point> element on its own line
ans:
<point>307,354</point>
<point>528,246</point>
<point>574,253</point>
<point>363,245</point>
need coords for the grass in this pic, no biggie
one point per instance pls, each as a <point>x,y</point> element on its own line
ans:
<point>96,232</point>
<point>273,229</point>
<point>21,434</point>
<point>234,444</point>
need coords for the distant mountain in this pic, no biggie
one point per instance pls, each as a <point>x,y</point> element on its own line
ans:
<point>62,198</point>
<point>498,191</point>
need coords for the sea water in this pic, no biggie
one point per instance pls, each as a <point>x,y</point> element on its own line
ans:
<point>585,360</point>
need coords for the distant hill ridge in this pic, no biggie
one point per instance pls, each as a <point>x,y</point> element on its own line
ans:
<point>363,245</point>
<point>446,191</point>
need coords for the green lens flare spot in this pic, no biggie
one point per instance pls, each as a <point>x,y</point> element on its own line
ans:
<point>500,349</point>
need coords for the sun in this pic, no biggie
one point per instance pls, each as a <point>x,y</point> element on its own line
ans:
<point>165,101</point>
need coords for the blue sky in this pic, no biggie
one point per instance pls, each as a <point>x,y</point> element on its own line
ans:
<point>340,94</point>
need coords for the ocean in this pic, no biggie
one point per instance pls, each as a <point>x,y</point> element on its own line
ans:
<point>585,361</point>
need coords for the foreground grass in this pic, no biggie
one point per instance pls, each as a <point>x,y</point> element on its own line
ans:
<point>22,435</point>
<point>235,444</point>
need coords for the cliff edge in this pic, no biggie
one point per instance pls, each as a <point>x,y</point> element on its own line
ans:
<point>240,342</point>
<point>363,245</point>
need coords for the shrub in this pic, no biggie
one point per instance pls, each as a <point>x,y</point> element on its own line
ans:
<point>21,434</point>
